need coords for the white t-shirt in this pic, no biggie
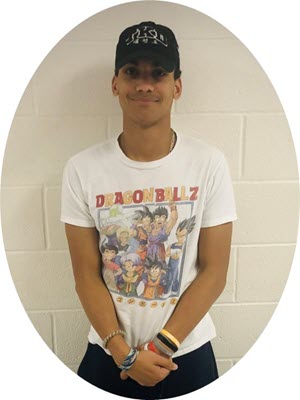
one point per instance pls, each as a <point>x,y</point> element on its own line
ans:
<point>149,215</point>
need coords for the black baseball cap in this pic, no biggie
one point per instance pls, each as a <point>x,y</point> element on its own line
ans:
<point>148,40</point>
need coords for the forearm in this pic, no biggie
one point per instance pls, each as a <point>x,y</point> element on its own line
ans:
<point>149,368</point>
<point>194,304</point>
<point>99,308</point>
<point>173,219</point>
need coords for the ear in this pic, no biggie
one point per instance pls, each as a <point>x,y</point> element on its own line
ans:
<point>114,85</point>
<point>177,89</point>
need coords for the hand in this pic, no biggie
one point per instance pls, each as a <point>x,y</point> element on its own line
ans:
<point>172,205</point>
<point>149,368</point>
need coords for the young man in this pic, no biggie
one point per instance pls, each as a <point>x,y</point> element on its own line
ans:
<point>143,346</point>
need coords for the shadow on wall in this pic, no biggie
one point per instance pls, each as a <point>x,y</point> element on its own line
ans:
<point>68,106</point>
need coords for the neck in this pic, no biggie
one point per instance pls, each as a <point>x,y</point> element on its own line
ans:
<point>146,144</point>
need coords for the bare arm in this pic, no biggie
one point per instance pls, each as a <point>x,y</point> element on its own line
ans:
<point>173,218</point>
<point>213,255</point>
<point>90,287</point>
<point>99,308</point>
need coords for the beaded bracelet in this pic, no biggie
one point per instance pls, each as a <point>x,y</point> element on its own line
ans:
<point>111,335</point>
<point>129,360</point>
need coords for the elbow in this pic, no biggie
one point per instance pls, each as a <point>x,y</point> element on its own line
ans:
<point>220,285</point>
<point>77,287</point>
<point>85,282</point>
<point>223,285</point>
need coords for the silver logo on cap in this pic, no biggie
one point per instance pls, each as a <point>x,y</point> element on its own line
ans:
<point>147,35</point>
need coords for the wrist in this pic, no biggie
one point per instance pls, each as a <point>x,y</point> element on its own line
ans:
<point>151,347</point>
<point>118,348</point>
<point>129,360</point>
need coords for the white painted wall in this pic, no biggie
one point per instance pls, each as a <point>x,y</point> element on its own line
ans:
<point>227,100</point>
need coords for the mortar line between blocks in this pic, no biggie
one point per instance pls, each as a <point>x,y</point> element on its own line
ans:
<point>263,245</point>
<point>66,250</point>
<point>252,304</point>
<point>38,251</point>
<point>233,112</point>
<point>29,186</point>
<point>44,210</point>
<point>54,336</point>
<point>215,113</point>
<point>95,42</point>
<point>52,312</point>
<point>242,147</point>
<point>235,274</point>
<point>34,99</point>
<point>266,181</point>
<point>107,128</point>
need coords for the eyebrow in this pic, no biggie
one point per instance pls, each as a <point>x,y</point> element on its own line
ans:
<point>153,63</point>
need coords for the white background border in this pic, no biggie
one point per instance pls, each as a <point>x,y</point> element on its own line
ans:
<point>28,31</point>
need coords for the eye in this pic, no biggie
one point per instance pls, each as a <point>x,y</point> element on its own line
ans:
<point>158,73</point>
<point>131,71</point>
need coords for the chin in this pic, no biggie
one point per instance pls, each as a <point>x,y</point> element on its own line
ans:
<point>146,124</point>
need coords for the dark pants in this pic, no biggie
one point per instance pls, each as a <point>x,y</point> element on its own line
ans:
<point>195,370</point>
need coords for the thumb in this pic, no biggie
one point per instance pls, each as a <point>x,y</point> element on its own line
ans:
<point>123,375</point>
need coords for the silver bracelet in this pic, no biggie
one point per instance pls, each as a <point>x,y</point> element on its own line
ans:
<point>162,348</point>
<point>111,335</point>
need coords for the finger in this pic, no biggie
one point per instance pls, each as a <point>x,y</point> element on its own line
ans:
<point>123,375</point>
<point>167,363</point>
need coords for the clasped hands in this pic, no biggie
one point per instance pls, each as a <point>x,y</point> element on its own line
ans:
<point>149,368</point>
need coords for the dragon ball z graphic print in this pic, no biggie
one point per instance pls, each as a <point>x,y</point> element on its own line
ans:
<point>143,247</point>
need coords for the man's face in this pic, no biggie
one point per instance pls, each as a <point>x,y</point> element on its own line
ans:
<point>146,221</point>
<point>154,271</point>
<point>124,237</point>
<point>146,92</point>
<point>129,266</point>
<point>181,235</point>
<point>108,255</point>
<point>159,220</point>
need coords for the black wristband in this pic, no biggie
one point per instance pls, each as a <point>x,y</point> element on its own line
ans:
<point>167,342</point>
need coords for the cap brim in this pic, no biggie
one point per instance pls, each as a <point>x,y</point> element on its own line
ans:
<point>160,59</point>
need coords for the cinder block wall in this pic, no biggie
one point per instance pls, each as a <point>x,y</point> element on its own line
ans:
<point>227,100</point>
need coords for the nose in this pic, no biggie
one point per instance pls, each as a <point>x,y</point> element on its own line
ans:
<point>144,85</point>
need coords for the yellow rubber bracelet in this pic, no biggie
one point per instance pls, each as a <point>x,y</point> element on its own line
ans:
<point>171,337</point>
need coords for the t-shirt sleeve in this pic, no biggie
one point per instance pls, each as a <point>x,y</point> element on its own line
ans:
<point>219,206</point>
<point>74,205</point>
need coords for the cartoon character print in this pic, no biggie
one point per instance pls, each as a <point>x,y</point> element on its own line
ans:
<point>174,252</point>
<point>141,229</point>
<point>141,250</point>
<point>154,278</point>
<point>111,270</point>
<point>161,229</point>
<point>131,266</point>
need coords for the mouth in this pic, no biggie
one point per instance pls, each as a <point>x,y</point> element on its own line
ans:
<point>144,100</point>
